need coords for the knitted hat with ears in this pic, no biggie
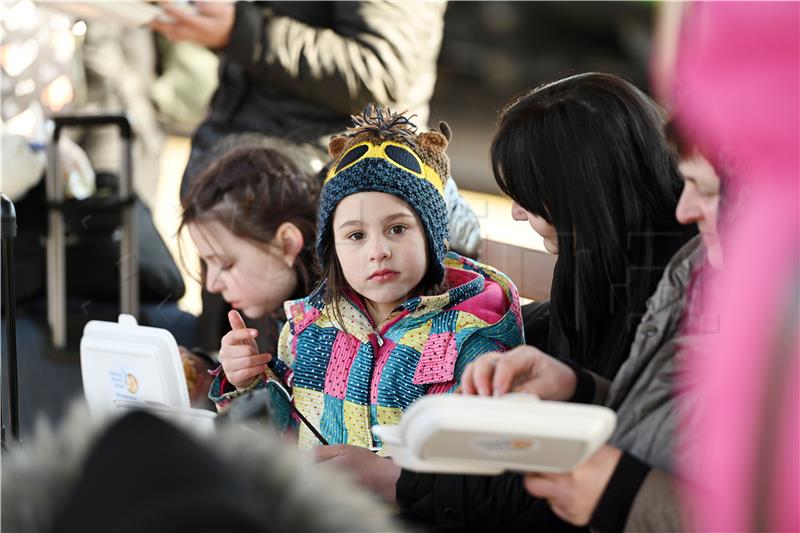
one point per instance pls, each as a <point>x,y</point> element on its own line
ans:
<point>382,152</point>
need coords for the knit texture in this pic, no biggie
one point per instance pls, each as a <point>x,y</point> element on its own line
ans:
<point>393,170</point>
<point>379,175</point>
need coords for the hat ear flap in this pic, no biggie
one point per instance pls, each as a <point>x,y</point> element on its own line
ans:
<point>433,141</point>
<point>444,127</point>
<point>336,146</point>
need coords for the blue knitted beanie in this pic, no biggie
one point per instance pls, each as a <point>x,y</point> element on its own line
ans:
<point>383,153</point>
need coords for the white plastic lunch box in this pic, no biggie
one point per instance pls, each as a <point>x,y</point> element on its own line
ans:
<point>462,434</point>
<point>127,366</point>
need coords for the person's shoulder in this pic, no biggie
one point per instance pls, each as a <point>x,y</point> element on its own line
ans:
<point>682,265</point>
<point>672,288</point>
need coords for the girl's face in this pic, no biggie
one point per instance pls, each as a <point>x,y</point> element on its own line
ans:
<point>699,204</point>
<point>381,247</point>
<point>255,279</point>
<point>539,225</point>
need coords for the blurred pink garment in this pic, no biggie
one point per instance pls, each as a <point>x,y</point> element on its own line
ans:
<point>737,97</point>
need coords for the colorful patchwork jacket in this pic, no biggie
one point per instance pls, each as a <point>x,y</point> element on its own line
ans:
<point>344,382</point>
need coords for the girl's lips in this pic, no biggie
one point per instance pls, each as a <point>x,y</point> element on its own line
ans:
<point>382,276</point>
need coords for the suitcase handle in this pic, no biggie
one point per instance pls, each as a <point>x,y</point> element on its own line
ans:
<point>56,255</point>
<point>8,226</point>
<point>66,121</point>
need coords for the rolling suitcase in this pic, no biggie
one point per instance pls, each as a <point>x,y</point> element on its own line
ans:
<point>56,256</point>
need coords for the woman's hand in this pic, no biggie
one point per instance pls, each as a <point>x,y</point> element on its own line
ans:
<point>374,473</point>
<point>574,496</point>
<point>523,369</point>
<point>209,25</point>
<point>239,353</point>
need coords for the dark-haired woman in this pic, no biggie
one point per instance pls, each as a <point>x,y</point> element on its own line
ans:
<point>587,165</point>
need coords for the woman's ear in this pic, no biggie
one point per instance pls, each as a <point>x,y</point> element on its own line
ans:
<point>290,239</point>
<point>336,146</point>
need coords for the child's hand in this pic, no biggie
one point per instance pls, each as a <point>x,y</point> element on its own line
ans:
<point>239,353</point>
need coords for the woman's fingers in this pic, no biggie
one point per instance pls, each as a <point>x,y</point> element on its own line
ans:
<point>181,16</point>
<point>523,369</point>
<point>514,367</point>
<point>481,375</point>
<point>541,486</point>
<point>208,23</point>
<point>467,386</point>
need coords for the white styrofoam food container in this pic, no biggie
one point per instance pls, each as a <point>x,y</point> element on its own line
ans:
<point>127,366</point>
<point>462,434</point>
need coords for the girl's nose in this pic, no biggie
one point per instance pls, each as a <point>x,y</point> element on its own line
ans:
<point>214,280</point>
<point>379,251</point>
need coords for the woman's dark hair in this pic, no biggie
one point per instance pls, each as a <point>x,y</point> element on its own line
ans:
<point>588,155</point>
<point>336,284</point>
<point>252,190</point>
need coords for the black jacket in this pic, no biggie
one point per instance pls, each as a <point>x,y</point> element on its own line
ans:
<point>298,70</point>
<point>437,502</point>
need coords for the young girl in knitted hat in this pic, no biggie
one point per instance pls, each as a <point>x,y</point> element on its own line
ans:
<point>396,316</point>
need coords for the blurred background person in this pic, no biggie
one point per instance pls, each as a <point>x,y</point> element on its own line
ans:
<point>736,93</point>
<point>297,70</point>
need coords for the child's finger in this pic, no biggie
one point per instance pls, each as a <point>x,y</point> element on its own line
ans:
<point>236,351</point>
<point>236,320</point>
<point>239,336</point>
<point>243,363</point>
<point>237,323</point>
<point>242,378</point>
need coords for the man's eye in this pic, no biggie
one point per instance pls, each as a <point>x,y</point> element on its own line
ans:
<point>397,229</point>
<point>356,236</point>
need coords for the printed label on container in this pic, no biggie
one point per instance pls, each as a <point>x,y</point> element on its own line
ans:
<point>504,446</point>
<point>125,385</point>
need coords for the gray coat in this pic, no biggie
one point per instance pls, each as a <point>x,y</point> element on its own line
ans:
<point>643,393</point>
